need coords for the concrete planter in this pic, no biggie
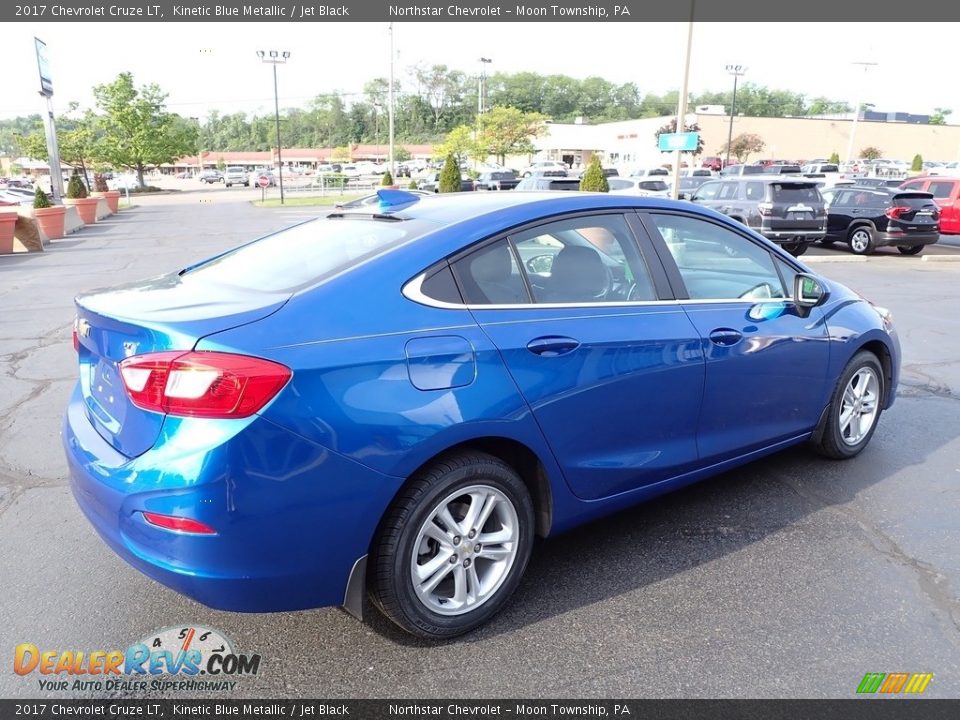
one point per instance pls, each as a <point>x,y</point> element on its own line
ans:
<point>112,197</point>
<point>50,220</point>
<point>8,224</point>
<point>87,207</point>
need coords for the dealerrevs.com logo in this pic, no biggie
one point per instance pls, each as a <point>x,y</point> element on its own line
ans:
<point>175,658</point>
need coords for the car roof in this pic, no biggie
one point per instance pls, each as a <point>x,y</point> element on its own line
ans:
<point>450,208</point>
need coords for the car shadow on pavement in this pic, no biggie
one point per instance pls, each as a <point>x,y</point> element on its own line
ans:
<point>697,525</point>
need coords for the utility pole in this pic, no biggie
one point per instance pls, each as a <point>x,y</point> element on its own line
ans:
<point>682,104</point>
<point>856,108</point>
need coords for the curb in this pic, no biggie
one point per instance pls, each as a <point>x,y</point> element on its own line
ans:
<point>834,259</point>
<point>941,258</point>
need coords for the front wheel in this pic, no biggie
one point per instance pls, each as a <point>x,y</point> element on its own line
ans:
<point>452,549</point>
<point>910,249</point>
<point>854,408</point>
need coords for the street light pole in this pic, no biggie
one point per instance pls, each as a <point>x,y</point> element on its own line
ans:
<point>682,102</point>
<point>273,57</point>
<point>737,71</point>
<point>481,86</point>
<point>390,109</point>
<point>856,109</point>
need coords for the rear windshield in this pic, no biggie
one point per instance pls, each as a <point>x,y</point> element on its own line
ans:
<point>564,185</point>
<point>305,253</point>
<point>752,170</point>
<point>913,199</point>
<point>652,185</point>
<point>794,193</point>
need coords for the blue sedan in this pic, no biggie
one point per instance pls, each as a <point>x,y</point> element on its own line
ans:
<point>393,402</point>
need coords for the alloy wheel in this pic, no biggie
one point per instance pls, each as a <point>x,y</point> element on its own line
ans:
<point>859,405</point>
<point>464,550</point>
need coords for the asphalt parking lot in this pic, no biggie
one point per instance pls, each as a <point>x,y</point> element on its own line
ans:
<point>791,577</point>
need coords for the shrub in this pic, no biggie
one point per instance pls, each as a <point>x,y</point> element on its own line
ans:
<point>387,179</point>
<point>413,185</point>
<point>100,183</point>
<point>40,199</point>
<point>835,158</point>
<point>593,179</point>
<point>450,175</point>
<point>870,153</point>
<point>917,162</point>
<point>76,190</point>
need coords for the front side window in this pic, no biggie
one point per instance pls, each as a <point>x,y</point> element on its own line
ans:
<point>708,191</point>
<point>717,263</point>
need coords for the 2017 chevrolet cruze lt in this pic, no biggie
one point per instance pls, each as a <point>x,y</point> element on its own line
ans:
<point>395,401</point>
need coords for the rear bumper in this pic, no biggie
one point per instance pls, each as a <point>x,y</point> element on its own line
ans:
<point>291,517</point>
<point>792,236</point>
<point>905,239</point>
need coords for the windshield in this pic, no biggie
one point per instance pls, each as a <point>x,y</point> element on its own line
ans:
<point>794,193</point>
<point>305,253</point>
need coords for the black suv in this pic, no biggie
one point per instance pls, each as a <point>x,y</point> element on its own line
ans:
<point>869,217</point>
<point>788,211</point>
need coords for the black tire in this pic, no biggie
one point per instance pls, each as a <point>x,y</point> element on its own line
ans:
<point>861,240</point>
<point>910,249</point>
<point>795,248</point>
<point>832,444</point>
<point>390,585</point>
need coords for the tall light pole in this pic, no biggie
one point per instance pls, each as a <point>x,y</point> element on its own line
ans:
<point>856,109</point>
<point>738,71</point>
<point>481,93</point>
<point>274,57</point>
<point>199,145</point>
<point>682,102</point>
<point>390,109</point>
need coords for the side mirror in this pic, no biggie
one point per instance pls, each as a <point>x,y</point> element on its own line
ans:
<point>807,291</point>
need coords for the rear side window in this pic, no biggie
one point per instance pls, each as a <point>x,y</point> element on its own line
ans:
<point>795,193</point>
<point>754,190</point>
<point>490,276</point>
<point>940,189</point>
<point>306,253</point>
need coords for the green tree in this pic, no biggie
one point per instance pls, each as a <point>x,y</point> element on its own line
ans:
<point>136,128</point>
<point>671,127</point>
<point>460,143</point>
<point>413,185</point>
<point>387,179</point>
<point>871,153</point>
<point>917,164</point>
<point>939,116</point>
<point>40,199</point>
<point>75,188</point>
<point>509,131</point>
<point>450,175</point>
<point>835,157</point>
<point>76,139</point>
<point>401,154</point>
<point>593,179</point>
<point>340,154</point>
<point>742,145</point>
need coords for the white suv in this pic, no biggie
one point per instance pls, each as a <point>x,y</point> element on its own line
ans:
<point>236,176</point>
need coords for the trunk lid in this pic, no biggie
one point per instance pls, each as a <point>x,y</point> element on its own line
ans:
<point>796,206</point>
<point>915,212</point>
<point>166,313</point>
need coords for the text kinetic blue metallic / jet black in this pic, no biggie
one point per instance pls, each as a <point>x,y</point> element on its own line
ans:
<point>394,402</point>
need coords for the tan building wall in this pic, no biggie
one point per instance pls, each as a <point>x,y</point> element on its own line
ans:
<point>808,138</point>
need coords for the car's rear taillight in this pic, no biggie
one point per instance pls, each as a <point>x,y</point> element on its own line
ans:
<point>895,212</point>
<point>202,384</point>
<point>180,524</point>
<point>765,208</point>
<point>76,335</point>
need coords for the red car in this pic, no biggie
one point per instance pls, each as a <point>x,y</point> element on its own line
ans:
<point>946,194</point>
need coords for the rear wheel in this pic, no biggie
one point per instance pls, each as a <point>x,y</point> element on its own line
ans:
<point>795,248</point>
<point>910,249</point>
<point>453,547</point>
<point>861,241</point>
<point>854,408</point>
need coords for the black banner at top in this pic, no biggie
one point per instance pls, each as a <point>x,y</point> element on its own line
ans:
<point>173,11</point>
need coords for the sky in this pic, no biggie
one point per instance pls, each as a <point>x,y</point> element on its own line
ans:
<point>214,66</point>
